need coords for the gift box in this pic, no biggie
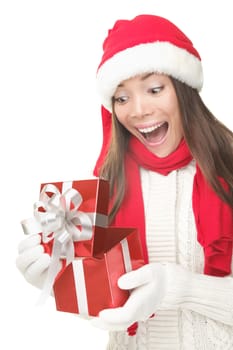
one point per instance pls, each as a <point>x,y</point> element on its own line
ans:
<point>72,218</point>
<point>89,284</point>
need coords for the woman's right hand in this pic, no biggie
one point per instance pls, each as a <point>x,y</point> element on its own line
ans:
<point>32,260</point>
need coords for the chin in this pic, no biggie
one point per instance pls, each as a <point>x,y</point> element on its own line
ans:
<point>162,153</point>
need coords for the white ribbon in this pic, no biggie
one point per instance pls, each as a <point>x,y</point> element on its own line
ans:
<point>80,286</point>
<point>126,255</point>
<point>57,217</point>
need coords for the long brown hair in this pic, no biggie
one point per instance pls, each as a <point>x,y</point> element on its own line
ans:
<point>209,141</point>
<point>113,166</point>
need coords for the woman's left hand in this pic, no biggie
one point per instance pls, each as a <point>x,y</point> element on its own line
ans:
<point>147,287</point>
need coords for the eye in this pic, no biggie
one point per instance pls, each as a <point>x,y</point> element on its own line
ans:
<point>120,99</point>
<point>155,90</point>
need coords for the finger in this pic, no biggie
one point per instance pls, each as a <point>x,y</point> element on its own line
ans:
<point>135,278</point>
<point>135,309</point>
<point>28,257</point>
<point>29,242</point>
<point>97,322</point>
<point>38,269</point>
<point>116,317</point>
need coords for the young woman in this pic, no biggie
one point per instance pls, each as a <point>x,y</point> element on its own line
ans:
<point>169,162</point>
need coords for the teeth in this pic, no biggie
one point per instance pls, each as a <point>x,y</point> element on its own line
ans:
<point>150,128</point>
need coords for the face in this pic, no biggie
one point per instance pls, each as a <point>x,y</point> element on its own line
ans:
<point>147,106</point>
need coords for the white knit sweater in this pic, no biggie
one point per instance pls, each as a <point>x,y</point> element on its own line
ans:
<point>204,320</point>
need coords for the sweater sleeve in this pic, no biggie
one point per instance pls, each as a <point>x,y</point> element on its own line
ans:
<point>207,295</point>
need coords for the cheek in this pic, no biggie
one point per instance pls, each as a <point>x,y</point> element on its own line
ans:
<point>120,116</point>
<point>178,127</point>
<point>170,103</point>
<point>175,117</point>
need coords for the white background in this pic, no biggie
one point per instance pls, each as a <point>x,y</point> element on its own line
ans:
<point>50,126</point>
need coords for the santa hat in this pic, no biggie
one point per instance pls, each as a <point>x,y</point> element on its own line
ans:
<point>147,43</point>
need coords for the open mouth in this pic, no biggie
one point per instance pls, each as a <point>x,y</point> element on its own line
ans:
<point>154,134</point>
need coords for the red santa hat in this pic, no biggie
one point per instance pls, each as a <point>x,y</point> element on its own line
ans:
<point>147,43</point>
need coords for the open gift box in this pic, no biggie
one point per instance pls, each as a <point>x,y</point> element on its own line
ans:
<point>89,284</point>
<point>72,218</point>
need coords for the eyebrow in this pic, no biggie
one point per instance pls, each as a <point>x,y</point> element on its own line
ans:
<point>144,77</point>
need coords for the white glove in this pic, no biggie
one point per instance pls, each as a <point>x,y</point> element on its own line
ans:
<point>32,261</point>
<point>169,286</point>
<point>148,285</point>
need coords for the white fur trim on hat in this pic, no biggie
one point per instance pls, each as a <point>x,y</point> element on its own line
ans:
<point>160,57</point>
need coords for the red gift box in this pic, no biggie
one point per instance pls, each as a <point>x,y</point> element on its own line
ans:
<point>95,256</point>
<point>89,285</point>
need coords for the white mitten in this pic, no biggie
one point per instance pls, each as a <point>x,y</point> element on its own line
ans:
<point>169,286</point>
<point>148,285</point>
<point>32,261</point>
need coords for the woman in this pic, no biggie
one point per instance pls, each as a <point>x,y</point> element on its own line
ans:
<point>169,163</point>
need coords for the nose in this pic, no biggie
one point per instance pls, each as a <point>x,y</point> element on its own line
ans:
<point>140,107</point>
